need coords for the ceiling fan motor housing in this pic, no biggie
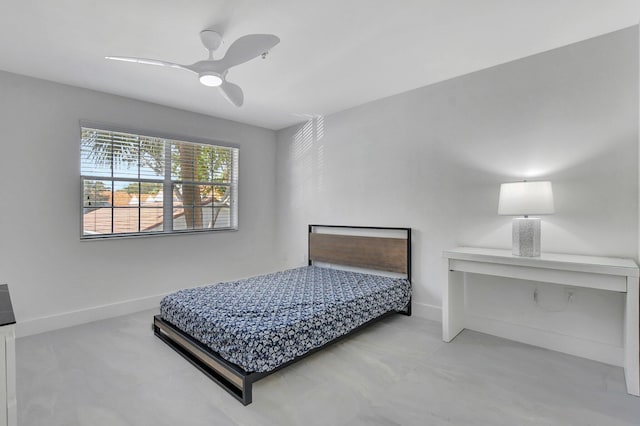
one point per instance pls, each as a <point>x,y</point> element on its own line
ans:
<point>211,39</point>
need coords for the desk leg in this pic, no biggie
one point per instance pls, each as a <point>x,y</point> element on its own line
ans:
<point>453,306</point>
<point>632,337</point>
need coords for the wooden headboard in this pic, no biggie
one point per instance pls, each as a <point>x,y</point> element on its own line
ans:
<point>379,253</point>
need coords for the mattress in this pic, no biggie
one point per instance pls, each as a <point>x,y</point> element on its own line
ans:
<point>262,322</point>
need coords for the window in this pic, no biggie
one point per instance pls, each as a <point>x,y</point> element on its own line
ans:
<point>126,179</point>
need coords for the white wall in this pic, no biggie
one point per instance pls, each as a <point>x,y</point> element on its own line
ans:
<point>57,280</point>
<point>433,159</point>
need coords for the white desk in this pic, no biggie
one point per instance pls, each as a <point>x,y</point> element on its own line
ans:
<point>613,274</point>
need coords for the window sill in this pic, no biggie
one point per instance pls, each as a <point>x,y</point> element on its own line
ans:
<point>152,234</point>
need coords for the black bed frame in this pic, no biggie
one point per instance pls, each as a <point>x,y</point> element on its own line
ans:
<point>232,377</point>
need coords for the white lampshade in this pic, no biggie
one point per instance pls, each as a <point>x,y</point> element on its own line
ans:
<point>526,198</point>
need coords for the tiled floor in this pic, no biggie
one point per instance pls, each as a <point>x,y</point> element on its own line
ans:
<point>397,372</point>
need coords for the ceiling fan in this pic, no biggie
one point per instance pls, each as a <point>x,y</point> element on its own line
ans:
<point>213,72</point>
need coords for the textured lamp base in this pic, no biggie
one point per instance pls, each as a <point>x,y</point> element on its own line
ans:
<point>526,236</point>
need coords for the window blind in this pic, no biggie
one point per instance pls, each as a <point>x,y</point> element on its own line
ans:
<point>125,179</point>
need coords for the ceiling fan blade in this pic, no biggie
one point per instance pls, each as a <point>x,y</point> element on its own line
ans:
<point>248,47</point>
<point>232,93</point>
<point>147,62</point>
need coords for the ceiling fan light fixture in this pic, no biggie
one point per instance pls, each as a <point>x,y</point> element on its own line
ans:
<point>210,79</point>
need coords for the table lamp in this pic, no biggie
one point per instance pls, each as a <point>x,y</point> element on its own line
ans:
<point>524,199</point>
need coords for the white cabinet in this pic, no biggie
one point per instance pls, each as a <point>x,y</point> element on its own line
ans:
<point>8,415</point>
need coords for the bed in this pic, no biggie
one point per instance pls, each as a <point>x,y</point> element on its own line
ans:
<point>238,332</point>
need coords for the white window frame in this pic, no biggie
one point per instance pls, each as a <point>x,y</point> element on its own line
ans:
<point>167,182</point>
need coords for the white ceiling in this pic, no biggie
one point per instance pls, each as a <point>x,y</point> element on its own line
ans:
<point>333,54</point>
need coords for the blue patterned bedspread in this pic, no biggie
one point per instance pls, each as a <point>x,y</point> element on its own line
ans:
<point>262,322</point>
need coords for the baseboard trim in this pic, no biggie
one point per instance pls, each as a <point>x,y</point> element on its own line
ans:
<point>430,312</point>
<point>96,313</point>
<point>83,316</point>
<point>571,345</point>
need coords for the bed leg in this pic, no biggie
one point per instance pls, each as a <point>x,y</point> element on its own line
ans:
<point>407,310</point>
<point>247,393</point>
